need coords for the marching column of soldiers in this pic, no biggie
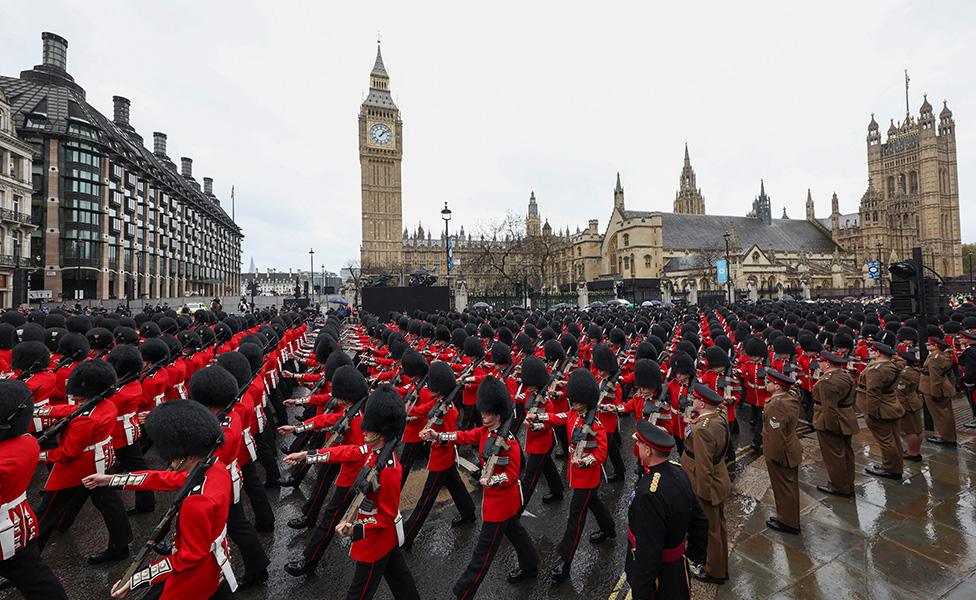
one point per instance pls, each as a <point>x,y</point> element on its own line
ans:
<point>509,397</point>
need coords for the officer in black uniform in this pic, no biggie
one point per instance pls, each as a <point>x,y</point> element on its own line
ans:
<point>665,522</point>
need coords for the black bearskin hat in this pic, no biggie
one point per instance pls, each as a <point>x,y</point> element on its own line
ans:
<point>126,360</point>
<point>154,350</point>
<point>682,364</point>
<point>213,386</point>
<point>253,355</point>
<point>74,345</point>
<point>756,348</point>
<point>440,378</point>
<point>907,334</point>
<point>338,359</point>
<point>126,335</point>
<point>413,363</point>
<point>16,408</point>
<point>30,356</point>
<point>604,359</point>
<point>53,337</point>
<point>582,388</point>
<point>810,344</point>
<point>183,428</point>
<point>534,373</point>
<point>843,340</point>
<point>150,330</point>
<point>473,347</point>
<point>494,398</point>
<point>647,374</point>
<point>385,413</point>
<point>78,324</point>
<point>783,345</point>
<point>237,365</point>
<point>554,351</point>
<point>501,353</point>
<point>717,357</point>
<point>54,320</point>
<point>100,338</point>
<point>6,336</point>
<point>617,336</point>
<point>349,384</point>
<point>90,378</point>
<point>457,337</point>
<point>645,350</point>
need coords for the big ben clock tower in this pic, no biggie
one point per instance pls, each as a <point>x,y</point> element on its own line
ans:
<point>380,153</point>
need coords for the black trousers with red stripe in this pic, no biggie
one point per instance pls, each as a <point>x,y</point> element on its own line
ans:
<point>536,466</point>
<point>106,500</point>
<point>484,552</point>
<point>432,486</point>
<point>393,569</point>
<point>581,502</point>
<point>325,476</point>
<point>31,576</point>
<point>325,529</point>
<point>408,455</point>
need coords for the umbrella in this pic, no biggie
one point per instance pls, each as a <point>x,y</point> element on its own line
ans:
<point>788,298</point>
<point>337,301</point>
<point>480,305</point>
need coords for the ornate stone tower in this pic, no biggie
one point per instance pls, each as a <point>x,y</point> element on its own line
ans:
<point>532,222</point>
<point>914,189</point>
<point>380,154</point>
<point>689,198</point>
<point>762,208</point>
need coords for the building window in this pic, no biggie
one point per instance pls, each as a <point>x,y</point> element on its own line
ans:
<point>82,131</point>
<point>891,186</point>
<point>647,261</point>
<point>755,257</point>
<point>626,239</point>
<point>901,183</point>
<point>913,181</point>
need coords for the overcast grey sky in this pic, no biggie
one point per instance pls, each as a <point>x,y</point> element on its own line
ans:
<point>502,98</point>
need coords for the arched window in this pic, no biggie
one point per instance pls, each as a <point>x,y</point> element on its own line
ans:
<point>647,261</point>
<point>918,227</point>
<point>755,257</point>
<point>901,183</point>
<point>891,186</point>
<point>874,216</point>
<point>633,265</point>
<point>626,262</point>
<point>913,181</point>
<point>626,239</point>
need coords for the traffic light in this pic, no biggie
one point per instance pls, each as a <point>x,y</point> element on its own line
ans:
<point>907,298</point>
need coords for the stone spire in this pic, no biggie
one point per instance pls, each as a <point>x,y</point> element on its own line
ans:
<point>810,210</point>
<point>532,221</point>
<point>618,195</point>
<point>688,199</point>
<point>379,69</point>
<point>761,206</point>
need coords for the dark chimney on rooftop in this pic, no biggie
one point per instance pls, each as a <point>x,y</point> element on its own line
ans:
<point>121,110</point>
<point>208,186</point>
<point>55,52</point>
<point>186,167</point>
<point>159,143</point>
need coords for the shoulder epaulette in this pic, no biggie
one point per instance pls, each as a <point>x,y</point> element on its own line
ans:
<point>654,482</point>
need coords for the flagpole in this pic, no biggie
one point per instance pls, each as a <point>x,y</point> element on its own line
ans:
<point>232,207</point>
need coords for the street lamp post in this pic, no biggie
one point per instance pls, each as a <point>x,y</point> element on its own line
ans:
<point>311,272</point>
<point>446,215</point>
<point>880,271</point>
<point>729,292</point>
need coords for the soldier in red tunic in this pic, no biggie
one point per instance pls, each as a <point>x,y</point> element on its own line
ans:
<point>185,433</point>
<point>85,448</point>
<point>376,529</point>
<point>588,452</point>
<point>501,506</point>
<point>20,558</point>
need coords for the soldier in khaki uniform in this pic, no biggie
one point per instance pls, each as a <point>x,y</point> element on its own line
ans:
<point>704,462</point>
<point>835,422</point>
<point>938,389</point>
<point>782,450</point>
<point>906,390</point>
<point>882,410</point>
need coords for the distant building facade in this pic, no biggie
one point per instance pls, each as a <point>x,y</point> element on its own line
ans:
<point>114,218</point>
<point>15,220</point>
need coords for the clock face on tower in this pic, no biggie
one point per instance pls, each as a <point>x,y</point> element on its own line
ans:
<point>380,134</point>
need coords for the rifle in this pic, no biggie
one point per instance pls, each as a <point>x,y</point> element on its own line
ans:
<point>414,394</point>
<point>581,433</point>
<point>342,424</point>
<point>532,405</point>
<point>162,528</point>
<point>368,480</point>
<point>493,449</point>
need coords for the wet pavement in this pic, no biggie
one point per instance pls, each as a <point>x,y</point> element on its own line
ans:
<point>910,539</point>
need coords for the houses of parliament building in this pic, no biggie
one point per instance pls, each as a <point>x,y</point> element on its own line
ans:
<point>911,199</point>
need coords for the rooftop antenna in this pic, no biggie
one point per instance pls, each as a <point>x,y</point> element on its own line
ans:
<point>232,204</point>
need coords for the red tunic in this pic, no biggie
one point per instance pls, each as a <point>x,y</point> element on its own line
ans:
<point>417,416</point>
<point>85,447</point>
<point>352,441</point>
<point>500,502</point>
<point>41,385</point>
<point>127,402</point>
<point>579,477</point>
<point>154,388</point>
<point>375,531</point>
<point>18,525</point>
<point>614,397</point>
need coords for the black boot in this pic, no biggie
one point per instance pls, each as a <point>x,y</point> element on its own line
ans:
<point>109,555</point>
<point>300,567</point>
<point>559,573</point>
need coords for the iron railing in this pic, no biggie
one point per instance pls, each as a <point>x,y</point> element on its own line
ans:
<point>12,215</point>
